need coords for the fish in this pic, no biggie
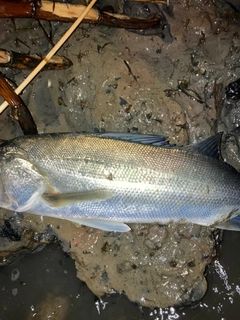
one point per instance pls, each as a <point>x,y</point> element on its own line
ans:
<point>109,180</point>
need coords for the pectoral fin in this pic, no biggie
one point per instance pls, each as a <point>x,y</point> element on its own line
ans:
<point>103,224</point>
<point>63,199</point>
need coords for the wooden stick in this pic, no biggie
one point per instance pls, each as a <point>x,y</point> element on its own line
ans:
<point>67,12</point>
<point>12,59</point>
<point>50,54</point>
<point>153,1</point>
<point>19,111</point>
<point>4,56</point>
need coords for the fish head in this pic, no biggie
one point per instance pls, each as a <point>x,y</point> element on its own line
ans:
<point>21,183</point>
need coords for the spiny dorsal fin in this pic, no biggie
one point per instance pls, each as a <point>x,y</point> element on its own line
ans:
<point>149,139</point>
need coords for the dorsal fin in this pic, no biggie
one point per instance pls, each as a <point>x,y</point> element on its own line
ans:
<point>149,139</point>
<point>209,147</point>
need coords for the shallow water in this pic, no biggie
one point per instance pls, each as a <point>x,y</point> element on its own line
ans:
<point>44,286</point>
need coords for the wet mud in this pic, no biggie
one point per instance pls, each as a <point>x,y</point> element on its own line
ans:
<point>180,81</point>
<point>152,265</point>
<point>48,288</point>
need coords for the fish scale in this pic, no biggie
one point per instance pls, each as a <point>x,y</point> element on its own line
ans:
<point>105,182</point>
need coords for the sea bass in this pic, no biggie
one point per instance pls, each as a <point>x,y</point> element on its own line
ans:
<point>108,180</point>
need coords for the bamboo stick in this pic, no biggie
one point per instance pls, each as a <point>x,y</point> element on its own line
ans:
<point>51,53</point>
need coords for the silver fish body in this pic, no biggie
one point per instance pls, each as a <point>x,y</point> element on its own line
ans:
<point>105,183</point>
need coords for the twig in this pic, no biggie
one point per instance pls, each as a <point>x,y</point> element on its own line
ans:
<point>50,54</point>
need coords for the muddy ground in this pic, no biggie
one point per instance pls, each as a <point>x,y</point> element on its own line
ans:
<point>176,81</point>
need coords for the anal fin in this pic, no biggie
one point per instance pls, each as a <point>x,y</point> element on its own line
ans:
<point>105,225</point>
<point>231,224</point>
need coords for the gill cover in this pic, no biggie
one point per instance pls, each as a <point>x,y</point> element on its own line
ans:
<point>22,183</point>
